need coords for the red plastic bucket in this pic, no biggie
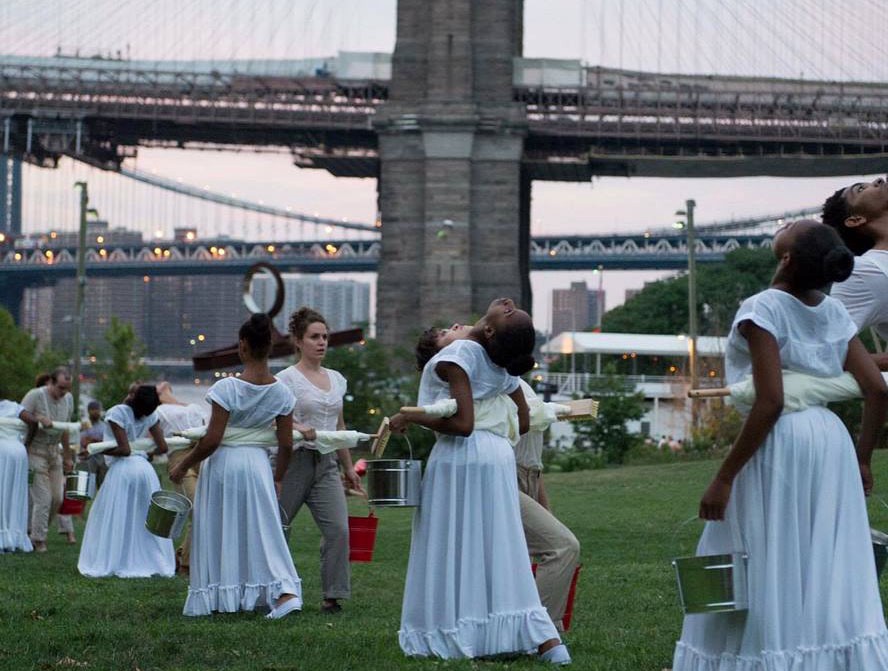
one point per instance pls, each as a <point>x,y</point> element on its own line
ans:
<point>571,595</point>
<point>362,538</point>
<point>71,507</point>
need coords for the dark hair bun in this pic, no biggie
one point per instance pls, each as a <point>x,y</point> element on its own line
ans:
<point>261,323</point>
<point>520,364</point>
<point>838,264</point>
<point>257,332</point>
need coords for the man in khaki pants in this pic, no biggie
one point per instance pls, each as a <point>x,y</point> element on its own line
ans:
<point>173,415</point>
<point>555,547</point>
<point>48,461</point>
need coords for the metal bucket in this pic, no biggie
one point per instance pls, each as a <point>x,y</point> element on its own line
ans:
<point>712,583</point>
<point>880,549</point>
<point>167,514</point>
<point>80,485</point>
<point>394,482</point>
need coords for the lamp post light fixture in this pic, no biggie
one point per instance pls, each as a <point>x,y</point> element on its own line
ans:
<point>688,214</point>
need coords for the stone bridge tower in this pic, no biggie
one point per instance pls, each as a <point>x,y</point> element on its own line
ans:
<point>455,205</point>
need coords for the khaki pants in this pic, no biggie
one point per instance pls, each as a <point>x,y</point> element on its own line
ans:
<point>556,549</point>
<point>46,492</point>
<point>313,479</point>
<point>187,488</point>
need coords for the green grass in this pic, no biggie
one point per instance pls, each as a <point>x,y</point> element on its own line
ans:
<point>626,618</point>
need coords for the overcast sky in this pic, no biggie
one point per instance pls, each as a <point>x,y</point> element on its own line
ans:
<point>808,38</point>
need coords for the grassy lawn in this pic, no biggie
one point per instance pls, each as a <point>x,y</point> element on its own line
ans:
<point>627,617</point>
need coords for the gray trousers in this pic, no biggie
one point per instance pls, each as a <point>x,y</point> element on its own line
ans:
<point>46,494</point>
<point>313,479</point>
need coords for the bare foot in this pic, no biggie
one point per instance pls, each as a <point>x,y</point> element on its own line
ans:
<point>39,546</point>
<point>72,539</point>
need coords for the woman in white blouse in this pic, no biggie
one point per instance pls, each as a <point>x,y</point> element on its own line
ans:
<point>313,478</point>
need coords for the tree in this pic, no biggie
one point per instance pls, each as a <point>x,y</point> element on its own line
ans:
<point>619,404</point>
<point>662,307</point>
<point>17,351</point>
<point>120,365</point>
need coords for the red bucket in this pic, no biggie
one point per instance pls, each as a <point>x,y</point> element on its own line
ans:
<point>71,507</point>
<point>571,594</point>
<point>362,538</point>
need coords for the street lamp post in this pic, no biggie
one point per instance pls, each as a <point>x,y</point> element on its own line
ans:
<point>81,291</point>
<point>688,213</point>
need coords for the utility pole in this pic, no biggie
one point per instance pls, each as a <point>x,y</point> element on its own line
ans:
<point>688,213</point>
<point>80,295</point>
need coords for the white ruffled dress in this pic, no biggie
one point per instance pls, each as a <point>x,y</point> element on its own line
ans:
<point>469,590</point>
<point>13,484</point>
<point>239,557</point>
<point>116,542</point>
<point>797,508</point>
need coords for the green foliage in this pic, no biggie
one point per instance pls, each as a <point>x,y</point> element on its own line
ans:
<point>662,307</point>
<point>377,389</point>
<point>17,367</point>
<point>120,364</point>
<point>48,359</point>
<point>618,405</point>
<point>567,461</point>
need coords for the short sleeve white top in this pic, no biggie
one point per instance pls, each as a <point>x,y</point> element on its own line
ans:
<point>174,417</point>
<point>865,293</point>
<point>812,339</point>
<point>122,415</point>
<point>529,450</point>
<point>487,379</point>
<point>251,406</point>
<point>11,409</point>
<point>315,407</point>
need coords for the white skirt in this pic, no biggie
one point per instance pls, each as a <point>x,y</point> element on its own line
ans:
<point>470,591</point>
<point>798,510</point>
<point>116,541</point>
<point>13,496</point>
<point>239,557</point>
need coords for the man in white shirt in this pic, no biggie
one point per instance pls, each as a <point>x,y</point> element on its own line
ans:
<point>859,213</point>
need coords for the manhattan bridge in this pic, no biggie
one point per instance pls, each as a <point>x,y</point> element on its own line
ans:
<point>454,122</point>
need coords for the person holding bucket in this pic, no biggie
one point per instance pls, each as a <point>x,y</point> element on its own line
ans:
<point>115,541</point>
<point>239,558</point>
<point>14,478</point>
<point>790,493</point>
<point>313,478</point>
<point>470,591</point>
<point>548,540</point>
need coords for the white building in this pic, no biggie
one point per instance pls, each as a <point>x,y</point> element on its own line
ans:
<point>344,304</point>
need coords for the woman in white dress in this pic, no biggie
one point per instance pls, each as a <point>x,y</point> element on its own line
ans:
<point>313,478</point>
<point>469,590</point>
<point>789,492</point>
<point>116,541</point>
<point>239,557</point>
<point>14,479</point>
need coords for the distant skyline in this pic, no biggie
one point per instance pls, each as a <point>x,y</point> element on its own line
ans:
<point>689,36</point>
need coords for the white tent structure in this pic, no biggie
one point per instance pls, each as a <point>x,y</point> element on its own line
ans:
<point>640,344</point>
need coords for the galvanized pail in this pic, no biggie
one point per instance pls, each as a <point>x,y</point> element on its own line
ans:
<point>80,485</point>
<point>167,514</point>
<point>880,549</point>
<point>394,482</point>
<point>712,583</point>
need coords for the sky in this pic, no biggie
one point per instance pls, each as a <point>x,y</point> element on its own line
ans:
<point>796,38</point>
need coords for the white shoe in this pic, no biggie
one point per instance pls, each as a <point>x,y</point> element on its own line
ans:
<point>557,655</point>
<point>290,605</point>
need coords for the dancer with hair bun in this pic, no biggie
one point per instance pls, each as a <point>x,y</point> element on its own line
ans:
<point>313,478</point>
<point>470,591</point>
<point>115,541</point>
<point>790,493</point>
<point>239,557</point>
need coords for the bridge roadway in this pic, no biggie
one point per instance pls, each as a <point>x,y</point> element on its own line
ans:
<point>616,252</point>
<point>580,121</point>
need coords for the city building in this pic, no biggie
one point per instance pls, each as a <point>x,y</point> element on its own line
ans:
<point>345,304</point>
<point>577,308</point>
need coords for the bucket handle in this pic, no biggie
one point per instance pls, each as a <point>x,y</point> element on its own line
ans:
<point>735,533</point>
